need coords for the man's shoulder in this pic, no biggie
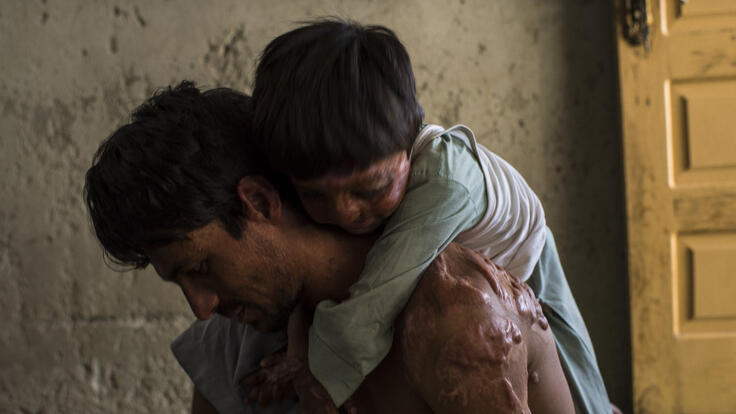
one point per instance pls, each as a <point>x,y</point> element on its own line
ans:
<point>462,293</point>
<point>452,303</point>
<point>474,337</point>
<point>461,279</point>
<point>459,334</point>
<point>452,282</point>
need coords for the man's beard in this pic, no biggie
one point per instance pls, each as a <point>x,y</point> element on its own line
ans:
<point>277,319</point>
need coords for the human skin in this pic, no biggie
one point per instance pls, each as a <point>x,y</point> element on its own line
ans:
<point>471,339</point>
<point>357,201</point>
<point>490,343</point>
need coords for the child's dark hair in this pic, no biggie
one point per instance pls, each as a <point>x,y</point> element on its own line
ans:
<point>172,169</point>
<point>334,96</point>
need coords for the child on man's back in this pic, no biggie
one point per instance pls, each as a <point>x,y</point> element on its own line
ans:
<point>336,109</point>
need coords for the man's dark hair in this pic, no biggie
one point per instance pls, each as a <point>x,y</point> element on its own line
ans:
<point>334,96</point>
<point>172,169</point>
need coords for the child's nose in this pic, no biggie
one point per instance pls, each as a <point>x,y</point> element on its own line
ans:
<point>202,300</point>
<point>348,209</point>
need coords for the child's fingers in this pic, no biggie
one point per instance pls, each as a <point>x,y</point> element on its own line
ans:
<point>253,379</point>
<point>269,384</point>
<point>284,390</point>
<point>267,394</point>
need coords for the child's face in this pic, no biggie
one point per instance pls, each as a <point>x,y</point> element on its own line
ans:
<point>360,201</point>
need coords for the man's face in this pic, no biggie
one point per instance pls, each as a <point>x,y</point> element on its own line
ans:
<point>245,279</point>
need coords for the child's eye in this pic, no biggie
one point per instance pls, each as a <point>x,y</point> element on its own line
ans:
<point>370,193</point>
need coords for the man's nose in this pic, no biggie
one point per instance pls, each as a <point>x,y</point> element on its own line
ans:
<point>202,299</point>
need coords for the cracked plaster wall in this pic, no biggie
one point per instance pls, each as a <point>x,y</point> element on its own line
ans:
<point>535,79</point>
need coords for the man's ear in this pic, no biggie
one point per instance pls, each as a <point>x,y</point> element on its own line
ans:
<point>260,199</point>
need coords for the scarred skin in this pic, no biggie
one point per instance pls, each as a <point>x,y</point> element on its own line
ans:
<point>358,201</point>
<point>472,339</point>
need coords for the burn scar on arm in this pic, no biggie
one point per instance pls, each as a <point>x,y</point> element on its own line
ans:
<point>471,364</point>
<point>479,363</point>
<point>462,348</point>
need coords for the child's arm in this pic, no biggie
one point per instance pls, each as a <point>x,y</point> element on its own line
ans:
<point>313,398</point>
<point>275,377</point>
<point>445,195</point>
<point>280,372</point>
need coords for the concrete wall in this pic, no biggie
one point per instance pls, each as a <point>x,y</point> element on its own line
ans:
<point>536,80</point>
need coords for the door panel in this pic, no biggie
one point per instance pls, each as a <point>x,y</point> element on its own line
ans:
<point>704,285</point>
<point>679,131</point>
<point>706,7</point>
<point>702,121</point>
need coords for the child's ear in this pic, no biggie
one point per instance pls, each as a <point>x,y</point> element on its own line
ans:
<point>260,199</point>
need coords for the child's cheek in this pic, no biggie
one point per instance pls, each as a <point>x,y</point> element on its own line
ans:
<point>392,199</point>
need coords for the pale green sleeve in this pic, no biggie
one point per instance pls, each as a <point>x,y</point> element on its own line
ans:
<point>348,340</point>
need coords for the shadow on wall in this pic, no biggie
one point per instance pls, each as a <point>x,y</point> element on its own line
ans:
<point>593,131</point>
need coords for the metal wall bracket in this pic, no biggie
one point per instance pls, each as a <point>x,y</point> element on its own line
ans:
<point>637,22</point>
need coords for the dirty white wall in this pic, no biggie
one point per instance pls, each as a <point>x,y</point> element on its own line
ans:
<point>534,78</point>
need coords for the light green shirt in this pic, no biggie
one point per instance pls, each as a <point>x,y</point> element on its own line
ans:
<point>445,195</point>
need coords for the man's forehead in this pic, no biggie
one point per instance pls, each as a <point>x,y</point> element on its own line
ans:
<point>168,259</point>
<point>193,247</point>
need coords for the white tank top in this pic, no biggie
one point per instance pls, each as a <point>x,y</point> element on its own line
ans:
<point>512,231</point>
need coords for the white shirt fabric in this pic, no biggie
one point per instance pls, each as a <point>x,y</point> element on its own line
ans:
<point>512,231</point>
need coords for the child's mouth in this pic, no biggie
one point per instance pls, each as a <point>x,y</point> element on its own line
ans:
<point>361,228</point>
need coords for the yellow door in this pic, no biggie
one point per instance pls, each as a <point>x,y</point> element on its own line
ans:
<point>679,130</point>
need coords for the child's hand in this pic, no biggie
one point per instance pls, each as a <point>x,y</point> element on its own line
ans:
<point>274,381</point>
<point>313,397</point>
<point>281,377</point>
<point>286,374</point>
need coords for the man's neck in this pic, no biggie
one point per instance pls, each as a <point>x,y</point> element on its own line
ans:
<point>333,261</point>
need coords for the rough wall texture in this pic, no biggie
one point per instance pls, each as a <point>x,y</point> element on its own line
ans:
<point>535,79</point>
